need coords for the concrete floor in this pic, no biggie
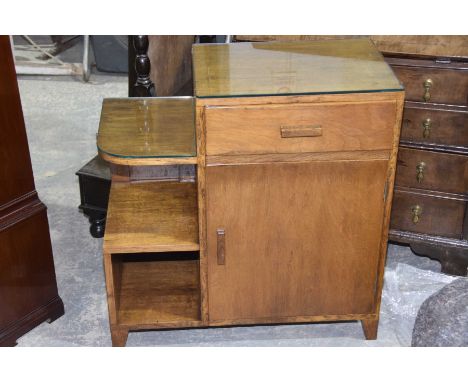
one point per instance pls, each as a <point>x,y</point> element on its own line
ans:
<point>62,116</point>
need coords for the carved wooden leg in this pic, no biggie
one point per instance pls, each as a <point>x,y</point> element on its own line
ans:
<point>119,336</point>
<point>143,87</point>
<point>370,327</point>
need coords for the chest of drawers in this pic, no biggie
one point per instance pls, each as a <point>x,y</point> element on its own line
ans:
<point>296,147</point>
<point>431,193</point>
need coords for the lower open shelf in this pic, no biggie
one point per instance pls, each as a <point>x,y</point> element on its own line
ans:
<point>157,290</point>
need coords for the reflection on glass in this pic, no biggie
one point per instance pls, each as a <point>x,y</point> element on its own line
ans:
<point>302,67</point>
<point>146,128</point>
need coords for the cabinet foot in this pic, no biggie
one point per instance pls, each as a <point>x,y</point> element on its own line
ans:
<point>370,327</point>
<point>98,225</point>
<point>453,260</point>
<point>119,337</point>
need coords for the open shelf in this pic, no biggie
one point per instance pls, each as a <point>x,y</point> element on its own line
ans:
<point>152,217</point>
<point>157,290</point>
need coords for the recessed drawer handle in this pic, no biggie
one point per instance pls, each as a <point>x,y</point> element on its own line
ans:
<point>301,131</point>
<point>427,89</point>
<point>221,246</point>
<point>417,211</point>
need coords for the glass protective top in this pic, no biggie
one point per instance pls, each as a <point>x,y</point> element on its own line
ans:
<point>286,68</point>
<point>147,127</point>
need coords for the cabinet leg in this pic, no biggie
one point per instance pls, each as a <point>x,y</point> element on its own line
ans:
<point>119,337</point>
<point>370,327</point>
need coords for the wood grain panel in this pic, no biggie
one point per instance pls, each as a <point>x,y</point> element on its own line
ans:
<point>158,293</point>
<point>171,63</point>
<point>449,86</point>
<point>258,129</point>
<point>441,171</point>
<point>152,217</point>
<point>438,216</point>
<point>446,126</point>
<point>313,223</point>
<point>15,169</point>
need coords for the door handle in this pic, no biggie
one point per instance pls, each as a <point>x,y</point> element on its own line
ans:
<point>221,246</point>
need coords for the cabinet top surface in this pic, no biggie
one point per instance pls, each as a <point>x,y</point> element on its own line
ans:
<point>147,128</point>
<point>291,68</point>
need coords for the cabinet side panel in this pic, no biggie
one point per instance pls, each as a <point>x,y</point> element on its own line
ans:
<point>27,275</point>
<point>15,164</point>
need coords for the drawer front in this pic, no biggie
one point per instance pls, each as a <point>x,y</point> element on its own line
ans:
<point>447,86</point>
<point>435,126</point>
<point>427,214</point>
<point>300,128</point>
<point>432,170</point>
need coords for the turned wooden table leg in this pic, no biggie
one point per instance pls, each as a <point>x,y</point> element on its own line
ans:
<point>370,328</point>
<point>119,337</point>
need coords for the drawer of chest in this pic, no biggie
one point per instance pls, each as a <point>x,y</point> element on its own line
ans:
<point>446,86</point>
<point>300,128</point>
<point>432,125</point>
<point>432,170</point>
<point>427,214</point>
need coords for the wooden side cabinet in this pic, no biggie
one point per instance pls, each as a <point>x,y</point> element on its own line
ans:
<point>296,147</point>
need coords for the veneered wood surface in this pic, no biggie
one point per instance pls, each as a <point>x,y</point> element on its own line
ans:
<point>156,293</point>
<point>152,217</point>
<point>448,125</point>
<point>442,171</point>
<point>201,139</point>
<point>171,62</point>
<point>28,288</point>
<point>299,157</point>
<point>291,231</point>
<point>258,129</point>
<point>26,269</point>
<point>439,216</point>
<point>15,169</point>
<point>449,86</point>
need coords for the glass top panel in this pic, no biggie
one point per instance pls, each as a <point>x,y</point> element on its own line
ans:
<point>147,127</point>
<point>284,68</point>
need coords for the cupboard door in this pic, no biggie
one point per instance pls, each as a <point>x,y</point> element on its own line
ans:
<point>293,239</point>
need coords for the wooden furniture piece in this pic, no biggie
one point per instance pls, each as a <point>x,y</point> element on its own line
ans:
<point>431,194</point>
<point>429,212</point>
<point>28,288</point>
<point>295,153</point>
<point>94,180</point>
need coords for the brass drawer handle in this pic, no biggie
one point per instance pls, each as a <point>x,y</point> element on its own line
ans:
<point>420,171</point>
<point>417,211</point>
<point>427,89</point>
<point>426,127</point>
<point>301,131</point>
